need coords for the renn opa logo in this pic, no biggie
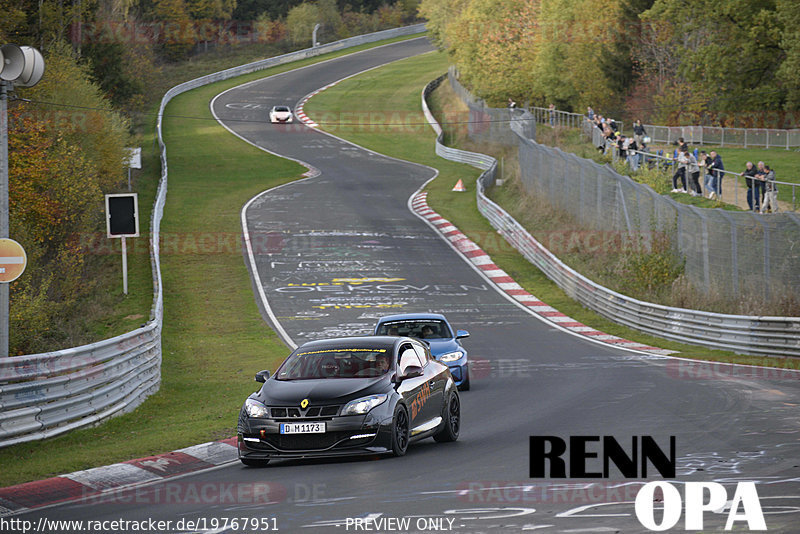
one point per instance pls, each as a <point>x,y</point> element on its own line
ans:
<point>592,456</point>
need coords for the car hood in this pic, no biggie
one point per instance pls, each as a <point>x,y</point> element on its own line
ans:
<point>321,391</point>
<point>442,346</point>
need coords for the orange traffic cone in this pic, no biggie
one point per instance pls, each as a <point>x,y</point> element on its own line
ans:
<point>459,186</point>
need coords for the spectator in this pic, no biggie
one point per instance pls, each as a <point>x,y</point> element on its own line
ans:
<point>612,124</point>
<point>511,103</point>
<point>771,195</point>
<point>758,184</point>
<point>638,132</point>
<point>622,146</point>
<point>590,113</point>
<point>705,162</point>
<point>694,175</point>
<point>609,137</point>
<point>682,146</point>
<point>749,174</point>
<point>716,169</point>
<point>633,154</point>
<point>552,109</point>
<point>683,161</point>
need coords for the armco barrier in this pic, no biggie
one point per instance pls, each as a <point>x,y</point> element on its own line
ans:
<point>44,395</point>
<point>764,336</point>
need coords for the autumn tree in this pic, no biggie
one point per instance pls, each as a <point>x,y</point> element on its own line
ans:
<point>61,161</point>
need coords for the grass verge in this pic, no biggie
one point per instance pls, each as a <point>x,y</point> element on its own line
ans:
<point>214,339</point>
<point>392,92</point>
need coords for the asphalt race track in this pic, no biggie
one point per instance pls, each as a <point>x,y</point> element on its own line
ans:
<point>337,250</point>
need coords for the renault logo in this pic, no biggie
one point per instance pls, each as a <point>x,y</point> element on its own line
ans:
<point>304,403</point>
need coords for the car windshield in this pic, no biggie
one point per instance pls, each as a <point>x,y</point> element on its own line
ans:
<point>419,328</point>
<point>281,109</point>
<point>335,363</point>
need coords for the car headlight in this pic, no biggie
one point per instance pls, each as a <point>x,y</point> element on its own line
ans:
<point>364,404</point>
<point>255,408</point>
<point>451,356</point>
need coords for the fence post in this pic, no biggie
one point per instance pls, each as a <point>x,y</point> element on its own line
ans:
<point>723,137</point>
<point>706,268</point>
<point>745,137</point>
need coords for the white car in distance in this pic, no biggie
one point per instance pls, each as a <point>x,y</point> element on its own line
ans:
<point>280,114</point>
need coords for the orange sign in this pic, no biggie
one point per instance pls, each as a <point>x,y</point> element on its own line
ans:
<point>12,260</point>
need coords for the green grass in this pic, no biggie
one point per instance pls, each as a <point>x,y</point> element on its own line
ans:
<point>397,87</point>
<point>214,339</point>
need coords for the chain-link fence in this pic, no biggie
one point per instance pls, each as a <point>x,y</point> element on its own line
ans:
<point>486,124</point>
<point>726,252</point>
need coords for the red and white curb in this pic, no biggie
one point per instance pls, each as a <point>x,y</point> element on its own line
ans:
<point>301,115</point>
<point>100,481</point>
<point>484,263</point>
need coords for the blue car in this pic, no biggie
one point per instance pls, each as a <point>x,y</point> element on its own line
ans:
<point>436,332</point>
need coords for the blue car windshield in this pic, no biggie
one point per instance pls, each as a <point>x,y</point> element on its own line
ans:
<point>418,328</point>
<point>335,363</point>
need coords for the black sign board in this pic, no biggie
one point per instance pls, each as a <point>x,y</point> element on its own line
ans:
<point>122,215</point>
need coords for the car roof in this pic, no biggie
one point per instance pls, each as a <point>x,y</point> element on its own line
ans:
<point>412,317</point>
<point>378,342</point>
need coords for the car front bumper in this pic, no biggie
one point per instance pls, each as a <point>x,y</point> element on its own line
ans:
<point>344,436</point>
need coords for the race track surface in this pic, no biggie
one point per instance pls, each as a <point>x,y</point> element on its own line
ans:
<point>336,251</point>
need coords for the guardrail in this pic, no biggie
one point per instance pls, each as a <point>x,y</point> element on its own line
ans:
<point>44,395</point>
<point>766,336</point>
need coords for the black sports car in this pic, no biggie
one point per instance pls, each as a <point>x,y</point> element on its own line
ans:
<point>349,396</point>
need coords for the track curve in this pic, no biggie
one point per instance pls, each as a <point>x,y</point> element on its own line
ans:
<point>343,248</point>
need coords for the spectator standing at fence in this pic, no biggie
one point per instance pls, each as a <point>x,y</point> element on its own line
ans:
<point>704,162</point>
<point>758,184</point>
<point>552,110</point>
<point>632,149</point>
<point>638,132</point>
<point>682,146</point>
<point>511,103</point>
<point>622,146</point>
<point>771,195</point>
<point>716,169</point>
<point>680,172</point>
<point>749,175</point>
<point>590,113</point>
<point>694,175</point>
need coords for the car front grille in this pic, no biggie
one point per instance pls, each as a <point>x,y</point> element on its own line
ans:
<point>293,412</point>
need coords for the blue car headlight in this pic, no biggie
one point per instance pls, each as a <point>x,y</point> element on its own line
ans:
<point>451,356</point>
<point>255,409</point>
<point>364,404</point>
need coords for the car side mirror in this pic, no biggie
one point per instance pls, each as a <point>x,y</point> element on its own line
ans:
<point>411,372</point>
<point>461,334</point>
<point>262,376</point>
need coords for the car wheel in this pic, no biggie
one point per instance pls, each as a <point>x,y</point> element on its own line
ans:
<point>250,462</point>
<point>465,383</point>
<point>400,431</point>
<point>452,423</point>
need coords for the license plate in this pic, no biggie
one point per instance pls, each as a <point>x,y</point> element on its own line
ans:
<point>302,428</point>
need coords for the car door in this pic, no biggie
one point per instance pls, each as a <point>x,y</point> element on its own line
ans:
<point>436,376</point>
<point>415,391</point>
